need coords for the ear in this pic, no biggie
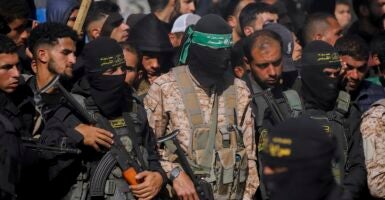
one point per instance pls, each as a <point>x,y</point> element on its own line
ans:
<point>239,71</point>
<point>248,30</point>
<point>95,33</point>
<point>232,21</point>
<point>317,36</point>
<point>42,55</point>
<point>245,60</point>
<point>375,59</point>
<point>34,66</point>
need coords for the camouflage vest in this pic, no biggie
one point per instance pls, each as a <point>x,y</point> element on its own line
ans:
<point>104,180</point>
<point>216,154</point>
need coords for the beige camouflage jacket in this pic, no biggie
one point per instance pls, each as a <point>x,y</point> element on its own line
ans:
<point>373,135</point>
<point>166,112</point>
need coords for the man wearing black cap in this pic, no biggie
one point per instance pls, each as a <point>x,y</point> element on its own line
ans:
<point>103,95</point>
<point>151,37</point>
<point>321,75</point>
<point>297,156</point>
<point>206,104</point>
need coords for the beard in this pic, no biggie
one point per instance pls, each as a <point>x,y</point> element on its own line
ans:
<point>52,68</point>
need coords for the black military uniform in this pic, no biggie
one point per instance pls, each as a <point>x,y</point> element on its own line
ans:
<point>320,93</point>
<point>70,174</point>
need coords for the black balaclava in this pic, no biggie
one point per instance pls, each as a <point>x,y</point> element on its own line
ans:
<point>206,63</point>
<point>113,20</point>
<point>304,150</point>
<point>318,90</point>
<point>107,91</point>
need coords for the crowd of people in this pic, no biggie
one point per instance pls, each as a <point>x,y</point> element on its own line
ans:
<point>195,100</point>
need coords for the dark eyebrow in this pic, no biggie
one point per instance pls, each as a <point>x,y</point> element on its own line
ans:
<point>8,66</point>
<point>67,51</point>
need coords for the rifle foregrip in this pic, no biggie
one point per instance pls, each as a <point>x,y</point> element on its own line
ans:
<point>129,176</point>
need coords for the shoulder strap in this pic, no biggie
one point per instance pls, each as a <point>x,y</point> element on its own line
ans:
<point>189,97</point>
<point>230,96</point>
<point>343,102</point>
<point>294,101</point>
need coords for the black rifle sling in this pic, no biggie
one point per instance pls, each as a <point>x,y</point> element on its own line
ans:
<point>131,133</point>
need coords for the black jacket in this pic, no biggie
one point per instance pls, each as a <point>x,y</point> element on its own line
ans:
<point>354,181</point>
<point>59,129</point>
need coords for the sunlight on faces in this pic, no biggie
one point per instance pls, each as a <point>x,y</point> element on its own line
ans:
<point>62,57</point>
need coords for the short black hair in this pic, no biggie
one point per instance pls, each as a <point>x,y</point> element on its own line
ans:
<point>250,12</point>
<point>14,9</point>
<point>354,46</point>
<point>49,33</point>
<point>156,5</point>
<point>237,54</point>
<point>314,23</point>
<point>227,8</point>
<point>7,46</point>
<point>100,10</point>
<point>345,2</point>
<point>251,41</point>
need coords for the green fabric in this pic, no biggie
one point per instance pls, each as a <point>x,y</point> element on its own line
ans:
<point>215,41</point>
<point>375,80</point>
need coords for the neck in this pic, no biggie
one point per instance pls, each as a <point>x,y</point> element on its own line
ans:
<point>43,76</point>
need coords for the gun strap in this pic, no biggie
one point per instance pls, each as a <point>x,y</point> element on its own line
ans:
<point>132,134</point>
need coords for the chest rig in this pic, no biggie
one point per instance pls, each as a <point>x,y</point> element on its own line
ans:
<point>106,179</point>
<point>216,154</point>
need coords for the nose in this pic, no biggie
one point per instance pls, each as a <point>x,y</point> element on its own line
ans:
<point>155,63</point>
<point>354,74</point>
<point>124,26</point>
<point>72,58</point>
<point>192,7</point>
<point>271,71</point>
<point>15,73</point>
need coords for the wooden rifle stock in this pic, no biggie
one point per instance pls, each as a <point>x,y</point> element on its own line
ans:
<point>82,14</point>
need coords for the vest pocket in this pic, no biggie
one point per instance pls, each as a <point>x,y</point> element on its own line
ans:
<point>227,160</point>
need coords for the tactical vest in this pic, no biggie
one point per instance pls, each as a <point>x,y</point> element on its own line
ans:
<point>105,180</point>
<point>10,159</point>
<point>216,154</point>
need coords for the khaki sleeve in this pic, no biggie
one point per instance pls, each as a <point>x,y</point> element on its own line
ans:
<point>158,121</point>
<point>373,135</point>
<point>252,181</point>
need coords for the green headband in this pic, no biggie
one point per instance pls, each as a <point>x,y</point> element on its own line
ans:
<point>215,41</point>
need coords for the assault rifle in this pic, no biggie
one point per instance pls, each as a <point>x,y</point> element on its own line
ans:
<point>202,187</point>
<point>33,144</point>
<point>128,165</point>
<point>275,110</point>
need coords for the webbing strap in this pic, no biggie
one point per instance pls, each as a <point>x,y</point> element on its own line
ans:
<point>189,96</point>
<point>207,159</point>
<point>294,101</point>
<point>230,101</point>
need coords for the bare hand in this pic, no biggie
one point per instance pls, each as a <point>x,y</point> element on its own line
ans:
<point>149,187</point>
<point>184,187</point>
<point>95,137</point>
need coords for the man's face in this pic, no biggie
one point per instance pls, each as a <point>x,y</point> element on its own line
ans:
<point>18,33</point>
<point>72,18</point>
<point>354,73</point>
<point>120,33</point>
<point>334,31</point>
<point>151,64</point>
<point>266,65</point>
<point>343,15</point>
<point>131,66</point>
<point>176,39</point>
<point>332,72</point>
<point>264,18</point>
<point>297,50</point>
<point>62,57</point>
<point>186,6</point>
<point>9,74</point>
